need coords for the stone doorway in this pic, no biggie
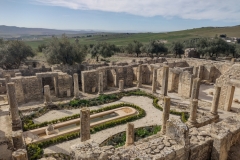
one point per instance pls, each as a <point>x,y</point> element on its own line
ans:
<point>49,81</point>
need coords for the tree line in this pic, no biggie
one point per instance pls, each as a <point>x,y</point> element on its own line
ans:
<point>62,50</point>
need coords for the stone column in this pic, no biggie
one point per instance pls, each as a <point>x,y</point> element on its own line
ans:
<point>55,79</point>
<point>7,80</point>
<point>16,121</point>
<point>166,112</point>
<point>129,134</point>
<point>100,83</point>
<point>195,72</point>
<point>229,98</point>
<point>195,88</point>
<point>84,124</point>
<point>17,139</point>
<point>121,85</point>
<point>200,71</point>
<point>215,101</point>
<point>47,95</point>
<point>139,76</point>
<point>76,87</point>
<point>20,154</point>
<point>165,80</point>
<point>193,112</point>
<point>154,81</point>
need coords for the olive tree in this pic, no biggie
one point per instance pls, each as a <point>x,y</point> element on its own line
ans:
<point>13,53</point>
<point>177,48</point>
<point>134,47</point>
<point>103,49</point>
<point>155,47</point>
<point>61,50</point>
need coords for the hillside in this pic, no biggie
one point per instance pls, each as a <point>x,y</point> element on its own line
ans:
<point>14,32</point>
<point>121,39</point>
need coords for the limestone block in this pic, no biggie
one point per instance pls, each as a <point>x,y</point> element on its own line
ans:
<point>20,154</point>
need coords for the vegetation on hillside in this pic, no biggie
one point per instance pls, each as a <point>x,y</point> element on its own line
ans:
<point>103,49</point>
<point>61,50</point>
<point>13,53</point>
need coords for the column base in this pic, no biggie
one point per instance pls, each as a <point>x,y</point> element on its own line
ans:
<point>191,124</point>
<point>76,98</point>
<point>16,125</point>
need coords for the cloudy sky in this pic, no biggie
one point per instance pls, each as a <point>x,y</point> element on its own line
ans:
<point>120,15</point>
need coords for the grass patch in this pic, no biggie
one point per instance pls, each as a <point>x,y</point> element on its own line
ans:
<point>119,139</point>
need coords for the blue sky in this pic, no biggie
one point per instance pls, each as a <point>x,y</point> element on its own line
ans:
<point>120,15</point>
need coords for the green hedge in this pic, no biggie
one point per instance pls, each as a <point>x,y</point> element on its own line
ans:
<point>119,139</point>
<point>184,115</point>
<point>35,150</point>
<point>28,123</point>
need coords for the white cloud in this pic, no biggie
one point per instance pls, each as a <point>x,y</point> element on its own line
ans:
<point>187,9</point>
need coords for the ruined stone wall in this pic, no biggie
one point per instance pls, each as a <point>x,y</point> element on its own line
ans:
<point>89,81</point>
<point>104,71</point>
<point>173,80</point>
<point>65,83</point>
<point>20,95</point>
<point>125,73</point>
<point>32,88</point>
<point>223,80</point>
<point>185,84</point>
<point>147,74</point>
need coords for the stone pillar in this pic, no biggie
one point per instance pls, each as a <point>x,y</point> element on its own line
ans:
<point>154,81</point>
<point>7,80</point>
<point>100,83</point>
<point>166,112</point>
<point>84,124</point>
<point>55,79</point>
<point>20,154</point>
<point>195,72</point>
<point>215,102</point>
<point>121,85</point>
<point>195,88</point>
<point>129,134</point>
<point>229,98</point>
<point>17,139</point>
<point>193,112</point>
<point>200,72</point>
<point>16,121</point>
<point>165,80</point>
<point>47,95</point>
<point>139,76</point>
<point>76,87</point>
<point>68,92</point>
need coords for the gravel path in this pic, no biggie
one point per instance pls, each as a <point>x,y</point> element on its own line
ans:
<point>153,117</point>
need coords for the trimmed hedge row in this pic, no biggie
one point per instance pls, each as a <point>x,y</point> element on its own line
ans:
<point>119,139</point>
<point>28,123</point>
<point>184,115</point>
<point>35,150</point>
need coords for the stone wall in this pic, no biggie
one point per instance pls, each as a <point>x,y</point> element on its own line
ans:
<point>185,84</point>
<point>65,83</point>
<point>223,81</point>
<point>111,77</point>
<point>90,81</point>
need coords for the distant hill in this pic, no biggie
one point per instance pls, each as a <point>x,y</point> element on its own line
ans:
<point>14,32</point>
